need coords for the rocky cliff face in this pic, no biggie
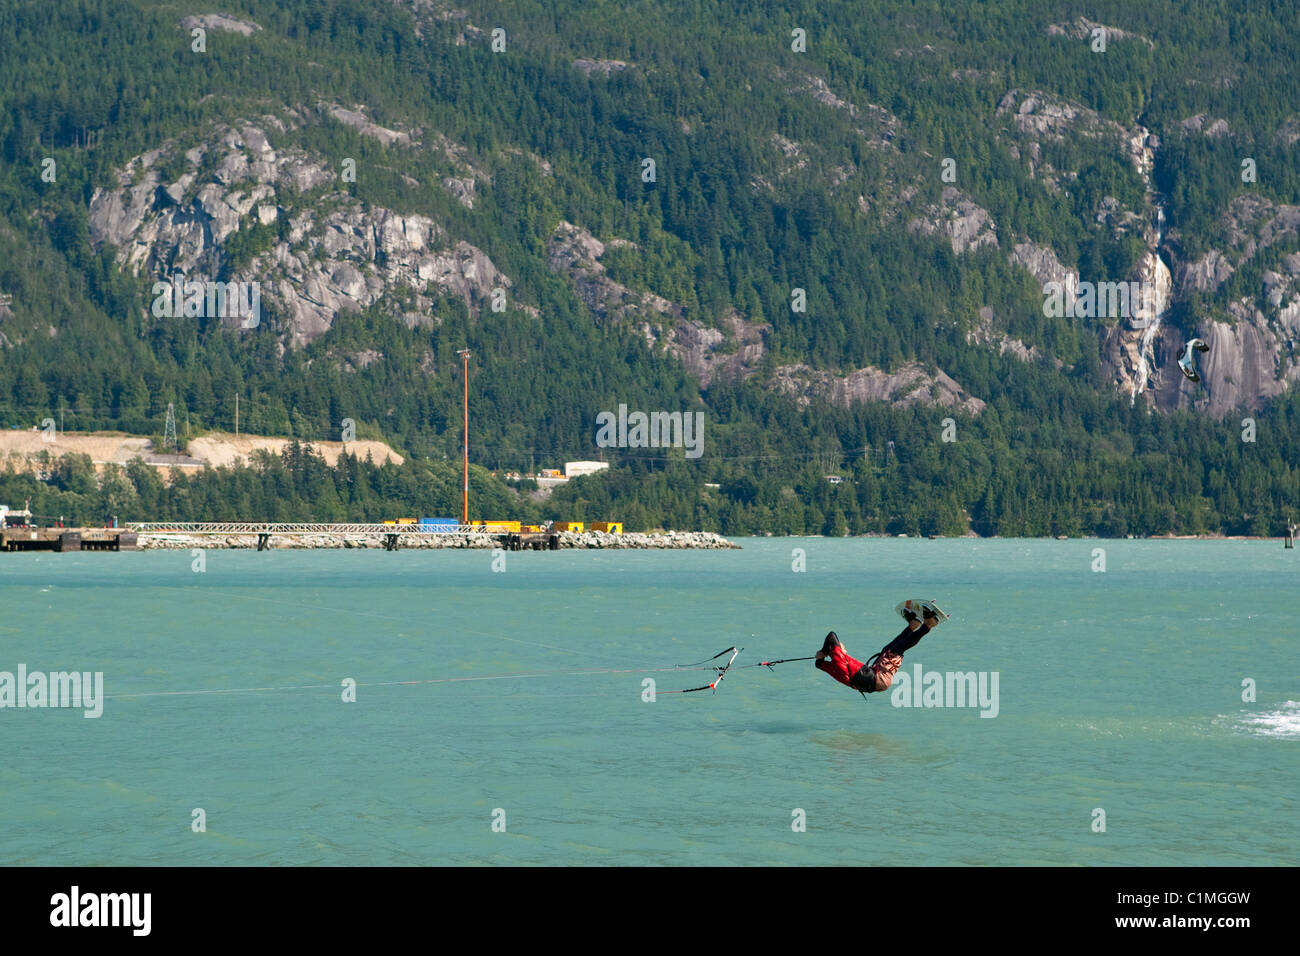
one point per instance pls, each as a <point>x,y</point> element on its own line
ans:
<point>332,254</point>
<point>735,350</point>
<point>1083,29</point>
<point>1027,119</point>
<point>575,253</point>
<point>910,385</point>
<point>963,223</point>
<point>178,211</point>
<point>983,332</point>
<point>1128,348</point>
<point>219,21</point>
<point>1253,339</point>
<point>731,352</point>
<point>873,123</point>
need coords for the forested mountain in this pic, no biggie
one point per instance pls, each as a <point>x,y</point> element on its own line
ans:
<point>829,229</point>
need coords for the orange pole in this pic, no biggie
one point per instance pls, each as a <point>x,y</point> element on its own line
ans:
<point>464,513</point>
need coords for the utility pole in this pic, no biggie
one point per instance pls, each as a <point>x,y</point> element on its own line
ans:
<point>464,511</point>
<point>236,414</point>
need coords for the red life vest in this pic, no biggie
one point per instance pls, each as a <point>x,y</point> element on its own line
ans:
<point>840,665</point>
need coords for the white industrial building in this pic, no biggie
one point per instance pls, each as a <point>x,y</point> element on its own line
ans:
<point>572,469</point>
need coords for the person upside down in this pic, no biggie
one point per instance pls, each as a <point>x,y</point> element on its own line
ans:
<point>878,673</point>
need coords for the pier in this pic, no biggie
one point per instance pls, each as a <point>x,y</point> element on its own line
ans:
<point>27,538</point>
<point>391,535</point>
<point>265,536</point>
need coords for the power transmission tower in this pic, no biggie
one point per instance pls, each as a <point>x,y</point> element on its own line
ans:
<point>169,430</point>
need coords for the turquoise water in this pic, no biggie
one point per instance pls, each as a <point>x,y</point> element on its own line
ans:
<point>1119,690</point>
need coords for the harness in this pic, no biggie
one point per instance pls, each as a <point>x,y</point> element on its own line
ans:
<point>870,665</point>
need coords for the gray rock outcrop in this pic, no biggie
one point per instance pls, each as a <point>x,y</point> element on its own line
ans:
<point>910,385</point>
<point>967,226</point>
<point>333,255</point>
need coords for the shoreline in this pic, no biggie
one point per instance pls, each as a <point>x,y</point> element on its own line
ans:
<point>1041,537</point>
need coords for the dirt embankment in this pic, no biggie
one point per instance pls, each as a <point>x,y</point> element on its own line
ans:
<point>224,449</point>
<point>22,449</point>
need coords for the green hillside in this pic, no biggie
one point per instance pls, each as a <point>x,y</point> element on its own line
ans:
<point>774,170</point>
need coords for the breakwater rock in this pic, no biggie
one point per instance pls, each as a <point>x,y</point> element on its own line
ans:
<point>668,540</point>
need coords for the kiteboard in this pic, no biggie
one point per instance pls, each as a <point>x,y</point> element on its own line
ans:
<point>917,605</point>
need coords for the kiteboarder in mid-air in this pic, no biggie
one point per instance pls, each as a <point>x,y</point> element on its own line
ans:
<point>878,673</point>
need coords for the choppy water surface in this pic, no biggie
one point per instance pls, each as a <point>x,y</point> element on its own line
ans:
<point>1120,691</point>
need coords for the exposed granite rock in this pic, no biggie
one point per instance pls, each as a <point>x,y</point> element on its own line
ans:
<point>983,333</point>
<point>219,21</point>
<point>1082,27</point>
<point>601,67</point>
<point>428,13</point>
<point>1289,132</point>
<point>880,128</point>
<point>788,147</point>
<point>792,151</point>
<point>462,189</point>
<point>332,255</point>
<point>1041,262</point>
<point>910,385</point>
<point>1129,347</point>
<point>1239,372</point>
<point>1205,274</point>
<point>575,252</point>
<point>362,124</point>
<point>1253,341</point>
<point>542,165</point>
<point>966,225</point>
<point>731,353</point>
<point>1041,114</point>
<point>1111,213</point>
<point>1200,123</point>
<point>1253,223</point>
<point>734,350</point>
